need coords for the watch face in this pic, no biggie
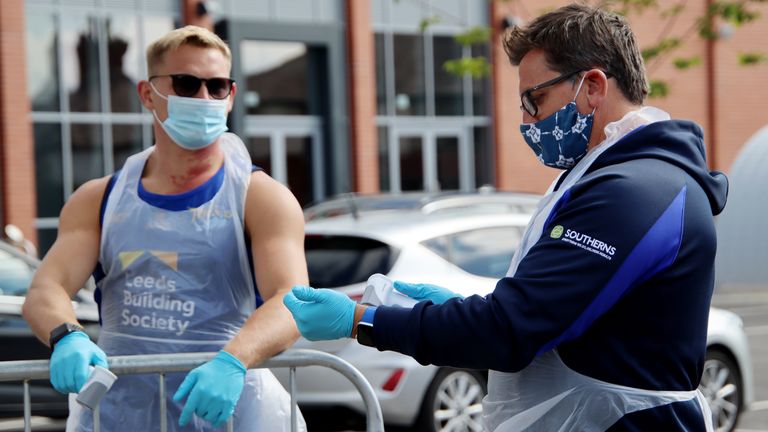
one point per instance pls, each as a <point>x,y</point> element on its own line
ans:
<point>365,334</point>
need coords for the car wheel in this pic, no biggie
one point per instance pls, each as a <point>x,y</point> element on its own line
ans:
<point>721,385</point>
<point>453,402</point>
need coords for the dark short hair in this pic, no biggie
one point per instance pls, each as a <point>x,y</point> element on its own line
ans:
<point>581,37</point>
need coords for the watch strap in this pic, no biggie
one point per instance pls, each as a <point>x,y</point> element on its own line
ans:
<point>365,327</point>
<point>63,330</point>
<point>368,315</point>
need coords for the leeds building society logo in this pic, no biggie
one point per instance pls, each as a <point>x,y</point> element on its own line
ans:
<point>557,232</point>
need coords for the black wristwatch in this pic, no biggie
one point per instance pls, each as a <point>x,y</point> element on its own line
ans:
<point>61,331</point>
<point>365,327</point>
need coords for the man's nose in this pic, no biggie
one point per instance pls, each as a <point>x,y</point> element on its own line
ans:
<point>527,118</point>
<point>202,92</point>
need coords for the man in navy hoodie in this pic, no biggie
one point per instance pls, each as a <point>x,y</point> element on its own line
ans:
<point>601,322</point>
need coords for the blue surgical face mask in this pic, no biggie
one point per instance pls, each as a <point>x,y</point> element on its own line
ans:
<point>193,123</point>
<point>561,139</point>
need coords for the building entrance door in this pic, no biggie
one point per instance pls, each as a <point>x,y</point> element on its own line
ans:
<point>290,150</point>
<point>431,160</point>
<point>280,91</point>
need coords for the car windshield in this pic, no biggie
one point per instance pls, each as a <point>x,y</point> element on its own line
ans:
<point>336,260</point>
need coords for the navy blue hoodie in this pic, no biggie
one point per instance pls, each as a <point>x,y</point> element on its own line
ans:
<point>620,281</point>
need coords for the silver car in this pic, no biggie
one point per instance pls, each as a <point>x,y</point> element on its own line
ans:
<point>463,242</point>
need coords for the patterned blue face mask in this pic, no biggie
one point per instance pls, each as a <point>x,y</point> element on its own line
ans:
<point>193,123</point>
<point>561,139</point>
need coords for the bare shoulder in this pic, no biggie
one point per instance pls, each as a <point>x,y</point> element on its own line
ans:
<point>83,207</point>
<point>270,203</point>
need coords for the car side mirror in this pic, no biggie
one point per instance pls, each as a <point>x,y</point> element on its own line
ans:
<point>16,236</point>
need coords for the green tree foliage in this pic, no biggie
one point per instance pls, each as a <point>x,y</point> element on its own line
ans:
<point>720,13</point>
<point>733,13</point>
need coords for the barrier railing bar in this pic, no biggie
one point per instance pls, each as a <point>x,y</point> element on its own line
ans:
<point>96,418</point>
<point>166,363</point>
<point>292,384</point>
<point>163,402</point>
<point>27,408</point>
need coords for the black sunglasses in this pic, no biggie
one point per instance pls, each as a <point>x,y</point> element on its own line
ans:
<point>188,85</point>
<point>528,104</point>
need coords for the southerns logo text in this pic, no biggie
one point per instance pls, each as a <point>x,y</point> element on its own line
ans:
<point>584,241</point>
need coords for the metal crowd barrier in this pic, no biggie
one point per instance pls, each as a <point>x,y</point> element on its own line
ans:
<point>161,364</point>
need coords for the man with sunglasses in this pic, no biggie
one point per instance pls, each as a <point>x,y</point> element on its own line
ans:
<point>601,322</point>
<point>193,248</point>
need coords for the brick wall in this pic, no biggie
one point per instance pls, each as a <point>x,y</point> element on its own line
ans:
<point>516,166</point>
<point>741,92</point>
<point>190,14</point>
<point>362,81</point>
<point>17,154</point>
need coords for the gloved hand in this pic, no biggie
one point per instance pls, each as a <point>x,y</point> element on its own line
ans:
<point>213,388</point>
<point>420,292</point>
<point>321,314</point>
<point>70,361</point>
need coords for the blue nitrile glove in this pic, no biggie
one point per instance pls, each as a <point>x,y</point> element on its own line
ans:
<point>70,361</point>
<point>213,388</point>
<point>420,292</point>
<point>321,314</point>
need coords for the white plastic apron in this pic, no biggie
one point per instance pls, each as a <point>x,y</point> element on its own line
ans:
<point>548,396</point>
<point>178,281</point>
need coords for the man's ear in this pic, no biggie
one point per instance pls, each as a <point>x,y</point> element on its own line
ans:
<point>596,83</point>
<point>232,98</point>
<point>145,94</point>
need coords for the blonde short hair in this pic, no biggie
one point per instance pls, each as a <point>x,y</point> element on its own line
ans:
<point>189,35</point>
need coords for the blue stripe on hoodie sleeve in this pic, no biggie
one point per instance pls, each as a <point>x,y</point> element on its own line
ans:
<point>655,252</point>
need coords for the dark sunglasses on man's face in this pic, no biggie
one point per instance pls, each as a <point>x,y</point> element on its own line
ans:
<point>188,85</point>
<point>528,104</point>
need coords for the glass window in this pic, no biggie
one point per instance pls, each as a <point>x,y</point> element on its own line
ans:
<point>411,164</point>
<point>481,87</point>
<point>45,239</point>
<point>82,38</point>
<point>123,50</point>
<point>275,77</point>
<point>484,252</point>
<point>410,93</point>
<point>484,157</point>
<point>448,163</point>
<point>381,74</point>
<point>337,261</point>
<point>438,245</point>
<point>87,153</point>
<point>384,184</point>
<point>80,63</point>
<point>260,150</point>
<point>126,140</point>
<point>48,168</point>
<point>449,95</point>
<point>299,164</point>
<point>42,62</point>
<point>154,28</point>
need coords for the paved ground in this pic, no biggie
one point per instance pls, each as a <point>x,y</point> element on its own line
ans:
<point>751,304</point>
